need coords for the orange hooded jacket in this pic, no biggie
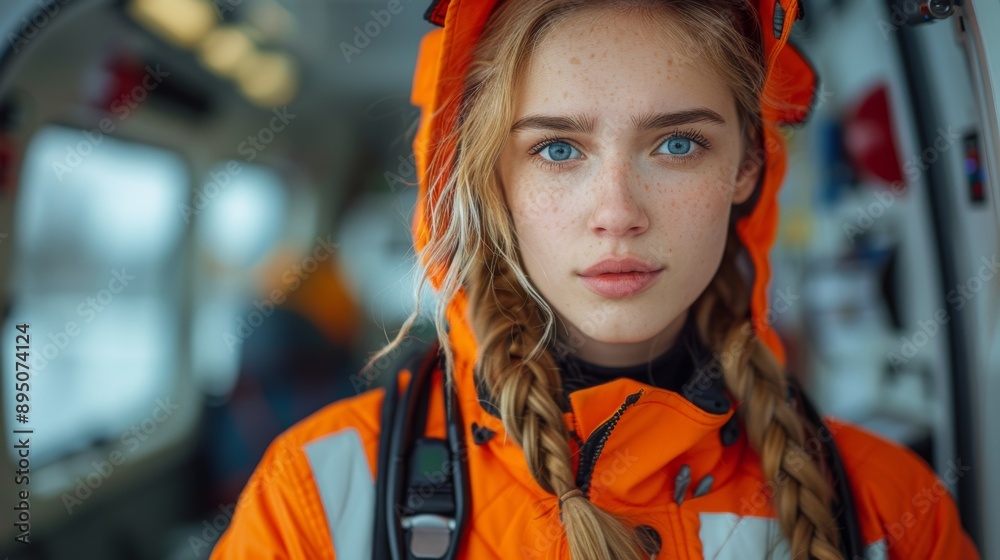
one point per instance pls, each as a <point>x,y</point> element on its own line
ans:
<point>312,495</point>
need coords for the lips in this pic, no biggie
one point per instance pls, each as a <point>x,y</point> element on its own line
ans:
<point>619,266</point>
<point>619,278</point>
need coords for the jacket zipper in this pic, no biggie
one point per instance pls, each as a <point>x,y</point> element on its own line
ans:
<point>591,449</point>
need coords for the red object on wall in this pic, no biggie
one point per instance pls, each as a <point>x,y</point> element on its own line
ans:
<point>869,140</point>
<point>7,159</point>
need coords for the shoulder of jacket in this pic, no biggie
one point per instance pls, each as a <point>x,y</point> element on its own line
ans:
<point>346,427</point>
<point>281,507</point>
<point>286,461</point>
<point>875,457</point>
<point>360,412</point>
<point>902,499</point>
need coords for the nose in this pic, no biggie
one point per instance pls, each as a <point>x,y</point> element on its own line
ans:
<point>616,209</point>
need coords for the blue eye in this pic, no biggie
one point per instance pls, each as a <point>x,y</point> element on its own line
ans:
<point>558,151</point>
<point>677,145</point>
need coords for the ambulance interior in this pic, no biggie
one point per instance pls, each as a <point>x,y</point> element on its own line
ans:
<point>206,206</point>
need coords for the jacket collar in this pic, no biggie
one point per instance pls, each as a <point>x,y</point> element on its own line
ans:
<point>629,439</point>
<point>633,455</point>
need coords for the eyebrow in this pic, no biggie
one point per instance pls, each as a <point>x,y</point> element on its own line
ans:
<point>640,123</point>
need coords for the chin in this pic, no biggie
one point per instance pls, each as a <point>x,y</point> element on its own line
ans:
<point>615,329</point>
<point>628,336</point>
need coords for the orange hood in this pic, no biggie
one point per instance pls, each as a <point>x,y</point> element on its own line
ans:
<point>444,58</point>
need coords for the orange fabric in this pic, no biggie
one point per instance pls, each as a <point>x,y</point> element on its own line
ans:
<point>280,515</point>
<point>900,500</point>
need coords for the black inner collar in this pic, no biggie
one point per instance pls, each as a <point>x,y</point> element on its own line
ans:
<point>670,370</point>
<point>688,367</point>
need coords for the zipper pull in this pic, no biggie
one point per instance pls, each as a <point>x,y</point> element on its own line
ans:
<point>681,484</point>
<point>704,486</point>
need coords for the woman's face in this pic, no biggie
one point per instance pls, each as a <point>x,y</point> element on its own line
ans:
<point>624,145</point>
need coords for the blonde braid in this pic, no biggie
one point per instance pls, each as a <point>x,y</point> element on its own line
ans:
<point>802,492</point>
<point>507,323</point>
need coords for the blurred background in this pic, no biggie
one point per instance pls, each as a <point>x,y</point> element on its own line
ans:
<point>204,221</point>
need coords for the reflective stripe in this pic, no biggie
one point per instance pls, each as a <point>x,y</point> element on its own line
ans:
<point>876,551</point>
<point>340,469</point>
<point>727,536</point>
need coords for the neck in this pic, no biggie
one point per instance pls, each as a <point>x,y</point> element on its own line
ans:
<point>622,354</point>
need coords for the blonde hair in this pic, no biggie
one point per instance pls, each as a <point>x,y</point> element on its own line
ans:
<point>473,243</point>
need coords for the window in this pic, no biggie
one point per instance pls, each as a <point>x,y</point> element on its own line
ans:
<point>96,274</point>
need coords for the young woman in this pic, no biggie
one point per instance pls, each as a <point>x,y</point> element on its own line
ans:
<point>597,198</point>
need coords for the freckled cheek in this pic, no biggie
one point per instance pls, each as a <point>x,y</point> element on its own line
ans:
<point>692,217</point>
<point>698,200</point>
<point>543,251</point>
<point>535,200</point>
<point>544,232</point>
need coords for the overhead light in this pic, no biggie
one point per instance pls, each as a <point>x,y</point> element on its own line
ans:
<point>184,22</point>
<point>268,79</point>
<point>272,19</point>
<point>224,49</point>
